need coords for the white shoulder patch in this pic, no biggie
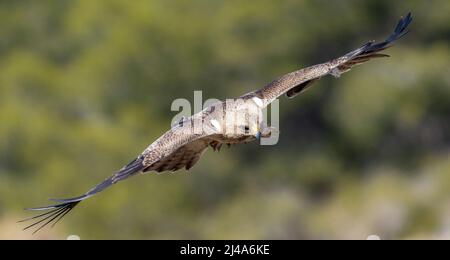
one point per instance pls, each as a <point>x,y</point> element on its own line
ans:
<point>258,101</point>
<point>216,125</point>
<point>335,72</point>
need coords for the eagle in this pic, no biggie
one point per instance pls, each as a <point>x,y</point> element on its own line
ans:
<point>233,121</point>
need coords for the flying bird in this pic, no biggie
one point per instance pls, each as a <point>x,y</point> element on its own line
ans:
<point>234,121</point>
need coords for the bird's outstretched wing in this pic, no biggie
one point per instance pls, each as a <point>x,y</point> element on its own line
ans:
<point>180,147</point>
<point>296,82</point>
<point>184,157</point>
<point>55,213</point>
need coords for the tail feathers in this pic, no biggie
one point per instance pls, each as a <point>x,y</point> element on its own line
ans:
<point>56,212</point>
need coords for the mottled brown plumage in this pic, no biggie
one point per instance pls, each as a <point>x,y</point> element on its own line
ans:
<point>231,122</point>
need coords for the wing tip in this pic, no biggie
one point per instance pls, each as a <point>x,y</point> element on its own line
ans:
<point>401,29</point>
<point>403,24</point>
<point>54,214</point>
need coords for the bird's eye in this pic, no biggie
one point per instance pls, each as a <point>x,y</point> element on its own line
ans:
<point>247,129</point>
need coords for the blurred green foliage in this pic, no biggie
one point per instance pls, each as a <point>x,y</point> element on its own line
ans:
<point>87,85</point>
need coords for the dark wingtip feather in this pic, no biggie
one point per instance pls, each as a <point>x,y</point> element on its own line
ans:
<point>360,50</point>
<point>403,23</point>
<point>76,199</point>
<point>55,214</point>
<point>399,31</point>
<point>58,211</point>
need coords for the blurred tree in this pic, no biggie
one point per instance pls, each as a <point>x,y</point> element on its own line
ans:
<point>86,85</point>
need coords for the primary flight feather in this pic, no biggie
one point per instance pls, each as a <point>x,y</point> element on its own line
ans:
<point>230,122</point>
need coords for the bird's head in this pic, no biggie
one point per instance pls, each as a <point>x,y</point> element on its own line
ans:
<point>250,129</point>
<point>243,125</point>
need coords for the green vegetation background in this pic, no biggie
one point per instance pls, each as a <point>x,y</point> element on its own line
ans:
<point>86,85</point>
